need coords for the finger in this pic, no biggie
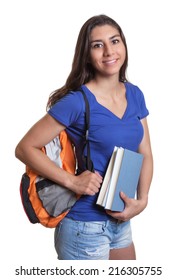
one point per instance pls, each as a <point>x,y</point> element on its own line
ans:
<point>116,215</point>
<point>124,197</point>
<point>96,180</point>
<point>97,173</point>
<point>90,191</point>
<point>91,188</point>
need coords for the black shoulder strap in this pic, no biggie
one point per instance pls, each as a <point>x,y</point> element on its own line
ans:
<point>87,159</point>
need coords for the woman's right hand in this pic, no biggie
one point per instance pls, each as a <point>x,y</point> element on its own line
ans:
<point>87,183</point>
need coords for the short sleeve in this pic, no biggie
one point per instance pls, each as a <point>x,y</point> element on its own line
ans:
<point>68,109</point>
<point>143,111</point>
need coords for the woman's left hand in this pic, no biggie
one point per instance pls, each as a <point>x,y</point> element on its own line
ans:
<point>132,208</point>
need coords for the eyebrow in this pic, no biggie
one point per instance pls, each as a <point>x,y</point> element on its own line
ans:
<point>100,40</point>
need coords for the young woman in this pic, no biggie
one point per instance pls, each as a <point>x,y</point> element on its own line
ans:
<point>117,118</point>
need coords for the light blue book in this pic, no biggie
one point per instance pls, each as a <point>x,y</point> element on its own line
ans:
<point>127,179</point>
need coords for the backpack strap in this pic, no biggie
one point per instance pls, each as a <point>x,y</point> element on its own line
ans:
<point>87,159</point>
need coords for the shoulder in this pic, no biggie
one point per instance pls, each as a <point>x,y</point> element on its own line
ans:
<point>134,91</point>
<point>74,96</point>
<point>72,100</point>
<point>69,108</point>
<point>136,97</point>
<point>133,88</point>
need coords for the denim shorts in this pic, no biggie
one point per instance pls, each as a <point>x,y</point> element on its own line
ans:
<point>77,240</point>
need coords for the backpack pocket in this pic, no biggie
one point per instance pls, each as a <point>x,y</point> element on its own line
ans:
<point>26,202</point>
<point>55,198</point>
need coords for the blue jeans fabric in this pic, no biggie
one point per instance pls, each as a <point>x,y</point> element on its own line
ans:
<point>77,240</point>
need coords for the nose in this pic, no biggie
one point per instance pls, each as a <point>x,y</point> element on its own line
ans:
<point>108,50</point>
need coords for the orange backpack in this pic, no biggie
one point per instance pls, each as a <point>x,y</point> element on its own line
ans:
<point>32,184</point>
<point>44,201</point>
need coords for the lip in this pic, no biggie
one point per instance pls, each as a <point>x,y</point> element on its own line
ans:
<point>110,61</point>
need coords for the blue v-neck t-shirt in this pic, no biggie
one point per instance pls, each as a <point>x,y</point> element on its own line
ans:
<point>106,131</point>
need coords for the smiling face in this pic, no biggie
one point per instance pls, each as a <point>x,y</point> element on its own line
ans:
<point>107,51</point>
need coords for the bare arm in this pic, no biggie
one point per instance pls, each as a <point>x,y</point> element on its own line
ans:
<point>147,168</point>
<point>29,152</point>
<point>134,207</point>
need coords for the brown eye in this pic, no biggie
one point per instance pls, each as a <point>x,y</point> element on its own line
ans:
<point>96,46</point>
<point>115,41</point>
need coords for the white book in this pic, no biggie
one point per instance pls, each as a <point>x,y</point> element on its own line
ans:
<point>106,195</point>
<point>114,177</point>
<point>107,178</point>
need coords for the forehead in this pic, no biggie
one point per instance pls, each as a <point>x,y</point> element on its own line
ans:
<point>103,31</point>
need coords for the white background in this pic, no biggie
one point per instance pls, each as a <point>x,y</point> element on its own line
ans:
<point>36,49</point>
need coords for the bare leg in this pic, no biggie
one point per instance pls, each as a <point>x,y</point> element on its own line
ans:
<point>127,253</point>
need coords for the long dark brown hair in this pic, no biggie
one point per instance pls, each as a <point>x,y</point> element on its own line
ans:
<point>82,71</point>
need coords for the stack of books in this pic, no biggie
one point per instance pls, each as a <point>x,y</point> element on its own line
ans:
<point>122,175</point>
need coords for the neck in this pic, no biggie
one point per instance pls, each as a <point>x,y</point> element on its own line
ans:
<point>104,86</point>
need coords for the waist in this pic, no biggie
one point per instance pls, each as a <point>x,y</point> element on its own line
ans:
<point>86,209</point>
